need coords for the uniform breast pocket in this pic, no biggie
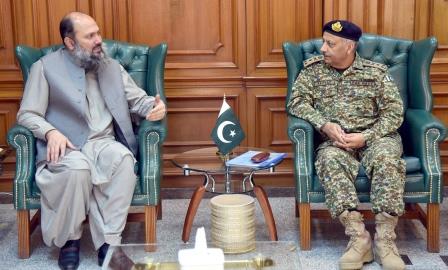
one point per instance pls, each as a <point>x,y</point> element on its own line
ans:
<point>363,100</point>
<point>325,90</point>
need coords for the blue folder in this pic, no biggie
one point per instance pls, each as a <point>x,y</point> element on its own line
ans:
<point>244,160</point>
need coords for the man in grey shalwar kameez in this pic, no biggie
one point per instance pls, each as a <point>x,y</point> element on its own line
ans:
<point>77,102</point>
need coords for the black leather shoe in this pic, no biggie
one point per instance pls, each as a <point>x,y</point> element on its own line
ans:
<point>69,255</point>
<point>102,251</point>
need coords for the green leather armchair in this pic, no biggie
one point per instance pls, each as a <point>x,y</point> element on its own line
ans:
<point>146,67</point>
<point>409,63</point>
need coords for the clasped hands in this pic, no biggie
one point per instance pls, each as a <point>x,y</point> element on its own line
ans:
<point>57,143</point>
<point>347,141</point>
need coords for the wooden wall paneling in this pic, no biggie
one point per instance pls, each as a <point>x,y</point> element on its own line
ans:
<point>10,96</point>
<point>120,15</point>
<point>440,101</point>
<point>423,10</point>
<point>438,22</point>
<point>8,112</point>
<point>193,108</point>
<point>40,25</point>
<point>399,18</point>
<point>270,23</point>
<point>8,69</point>
<point>444,160</point>
<point>336,9</point>
<point>437,14</point>
<point>36,22</point>
<point>6,36</point>
<point>309,19</point>
<point>56,10</point>
<point>437,26</point>
<point>23,22</point>
<point>192,114</point>
<point>440,110</point>
<point>103,12</point>
<point>205,38</point>
<point>84,6</point>
<point>267,128</point>
<point>221,46</point>
<point>364,13</point>
<point>385,17</point>
<point>267,122</point>
<point>10,90</point>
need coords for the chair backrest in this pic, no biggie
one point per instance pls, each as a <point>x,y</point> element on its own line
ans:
<point>145,65</point>
<point>408,62</point>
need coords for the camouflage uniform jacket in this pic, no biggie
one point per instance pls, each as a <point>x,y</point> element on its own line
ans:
<point>363,98</point>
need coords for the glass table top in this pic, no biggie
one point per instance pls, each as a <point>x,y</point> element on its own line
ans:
<point>266,255</point>
<point>218,177</point>
<point>209,160</point>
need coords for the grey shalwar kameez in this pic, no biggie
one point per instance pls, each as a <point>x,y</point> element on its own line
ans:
<point>96,180</point>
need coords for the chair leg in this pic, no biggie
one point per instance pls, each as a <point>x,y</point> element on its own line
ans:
<point>305,226</point>
<point>159,209</point>
<point>150,224</point>
<point>433,229</point>
<point>23,231</point>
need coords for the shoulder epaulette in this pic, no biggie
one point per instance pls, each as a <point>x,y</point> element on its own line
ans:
<point>374,64</point>
<point>313,60</point>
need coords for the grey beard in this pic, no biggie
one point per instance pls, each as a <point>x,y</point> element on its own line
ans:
<point>87,60</point>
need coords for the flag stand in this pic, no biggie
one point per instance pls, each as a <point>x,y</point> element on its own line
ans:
<point>224,158</point>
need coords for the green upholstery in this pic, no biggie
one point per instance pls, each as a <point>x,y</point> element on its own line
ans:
<point>421,131</point>
<point>146,67</point>
<point>409,63</point>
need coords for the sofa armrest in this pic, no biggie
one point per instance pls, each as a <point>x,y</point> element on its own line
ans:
<point>422,132</point>
<point>23,141</point>
<point>147,127</point>
<point>151,136</point>
<point>301,133</point>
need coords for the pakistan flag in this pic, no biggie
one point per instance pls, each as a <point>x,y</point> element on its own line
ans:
<point>227,133</point>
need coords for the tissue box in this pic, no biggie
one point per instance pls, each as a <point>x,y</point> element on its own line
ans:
<point>201,259</point>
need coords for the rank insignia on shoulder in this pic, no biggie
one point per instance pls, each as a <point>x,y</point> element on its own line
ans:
<point>313,60</point>
<point>375,64</point>
<point>388,78</point>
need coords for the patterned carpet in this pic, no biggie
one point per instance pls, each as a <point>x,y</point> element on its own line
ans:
<point>328,240</point>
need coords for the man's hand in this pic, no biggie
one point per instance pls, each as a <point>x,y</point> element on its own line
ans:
<point>159,110</point>
<point>56,145</point>
<point>334,132</point>
<point>354,140</point>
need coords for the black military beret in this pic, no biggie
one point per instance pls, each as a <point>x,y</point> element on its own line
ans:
<point>344,29</point>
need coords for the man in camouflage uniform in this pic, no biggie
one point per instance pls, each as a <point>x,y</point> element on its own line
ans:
<point>356,106</point>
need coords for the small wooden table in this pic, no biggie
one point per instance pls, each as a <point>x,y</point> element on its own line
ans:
<point>212,166</point>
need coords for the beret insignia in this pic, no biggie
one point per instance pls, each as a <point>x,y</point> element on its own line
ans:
<point>337,27</point>
<point>344,29</point>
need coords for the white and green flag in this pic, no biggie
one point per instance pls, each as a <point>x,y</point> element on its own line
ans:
<point>227,133</point>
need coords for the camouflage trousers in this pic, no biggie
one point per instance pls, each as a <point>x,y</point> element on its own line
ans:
<point>337,170</point>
